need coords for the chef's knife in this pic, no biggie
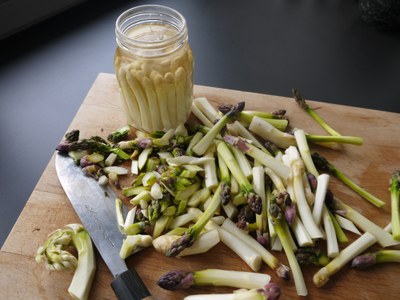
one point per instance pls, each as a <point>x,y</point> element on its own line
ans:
<point>95,207</point>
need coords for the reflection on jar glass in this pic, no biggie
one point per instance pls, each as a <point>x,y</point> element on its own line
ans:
<point>154,67</point>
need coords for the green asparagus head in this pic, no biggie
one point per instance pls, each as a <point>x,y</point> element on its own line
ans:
<point>72,136</point>
<point>176,280</point>
<point>395,181</point>
<point>299,99</point>
<point>119,135</point>
<point>322,164</point>
<point>311,255</point>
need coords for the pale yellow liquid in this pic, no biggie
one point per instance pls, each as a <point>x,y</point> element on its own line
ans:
<point>157,91</point>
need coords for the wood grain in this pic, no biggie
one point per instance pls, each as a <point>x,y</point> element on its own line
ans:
<point>101,112</point>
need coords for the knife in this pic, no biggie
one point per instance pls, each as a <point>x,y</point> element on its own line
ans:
<point>96,210</point>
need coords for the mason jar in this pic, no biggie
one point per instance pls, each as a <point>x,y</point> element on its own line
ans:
<point>154,67</point>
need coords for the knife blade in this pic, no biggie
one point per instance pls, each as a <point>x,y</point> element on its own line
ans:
<point>95,207</point>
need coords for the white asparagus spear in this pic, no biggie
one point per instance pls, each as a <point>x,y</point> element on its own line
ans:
<point>129,100</point>
<point>171,98</point>
<point>180,85</point>
<point>141,100</point>
<point>153,103</point>
<point>161,92</point>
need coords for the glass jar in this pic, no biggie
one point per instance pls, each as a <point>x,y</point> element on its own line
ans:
<point>154,67</point>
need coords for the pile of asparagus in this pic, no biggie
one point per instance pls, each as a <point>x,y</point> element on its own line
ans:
<point>238,178</point>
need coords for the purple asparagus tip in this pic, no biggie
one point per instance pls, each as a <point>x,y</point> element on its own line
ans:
<point>272,291</point>
<point>363,261</point>
<point>176,280</point>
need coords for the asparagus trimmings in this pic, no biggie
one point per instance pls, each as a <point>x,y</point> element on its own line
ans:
<point>177,279</point>
<point>347,254</point>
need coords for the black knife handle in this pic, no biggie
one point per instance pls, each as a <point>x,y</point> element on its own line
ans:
<point>129,286</point>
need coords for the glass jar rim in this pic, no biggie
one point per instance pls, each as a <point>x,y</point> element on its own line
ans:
<point>145,14</point>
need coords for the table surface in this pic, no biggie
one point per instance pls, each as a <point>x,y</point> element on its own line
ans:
<point>320,47</point>
<point>48,206</point>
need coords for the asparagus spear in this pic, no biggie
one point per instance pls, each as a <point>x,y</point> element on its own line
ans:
<point>280,226</point>
<point>302,102</point>
<point>178,279</point>
<point>270,292</point>
<point>193,232</point>
<point>206,141</point>
<point>395,204</point>
<point>347,254</point>
<point>253,199</point>
<point>369,259</point>
<point>324,165</point>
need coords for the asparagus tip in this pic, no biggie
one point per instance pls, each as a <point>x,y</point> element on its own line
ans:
<point>363,261</point>
<point>175,280</point>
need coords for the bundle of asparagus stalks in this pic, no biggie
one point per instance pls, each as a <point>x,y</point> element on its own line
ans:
<point>237,177</point>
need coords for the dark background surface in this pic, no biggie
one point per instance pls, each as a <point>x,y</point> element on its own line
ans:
<point>320,47</point>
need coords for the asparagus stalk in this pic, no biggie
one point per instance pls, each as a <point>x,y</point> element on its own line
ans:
<point>225,180</point>
<point>262,128</point>
<point>279,225</point>
<point>395,204</point>
<point>154,103</point>
<point>369,259</point>
<point>305,151</point>
<point>280,269</point>
<point>177,279</point>
<point>171,98</point>
<point>302,102</point>
<point>323,164</point>
<point>180,84</point>
<point>270,292</point>
<point>193,232</point>
<point>210,169</point>
<point>206,141</point>
<point>159,83</point>
<point>384,238</point>
<point>253,199</point>
<point>346,255</point>
<point>207,109</point>
<point>265,159</point>
<point>302,205</point>
<point>248,254</point>
<point>140,95</point>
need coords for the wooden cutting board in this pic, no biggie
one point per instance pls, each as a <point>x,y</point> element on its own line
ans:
<point>101,112</point>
